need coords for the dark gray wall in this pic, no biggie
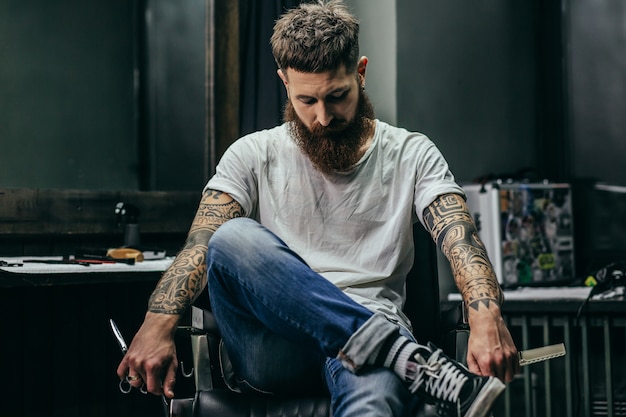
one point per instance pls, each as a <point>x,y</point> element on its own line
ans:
<point>175,102</point>
<point>466,78</point>
<point>104,95</point>
<point>378,41</point>
<point>66,94</point>
<point>499,86</point>
<point>597,70</point>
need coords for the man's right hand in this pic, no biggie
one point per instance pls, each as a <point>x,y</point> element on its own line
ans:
<point>152,355</point>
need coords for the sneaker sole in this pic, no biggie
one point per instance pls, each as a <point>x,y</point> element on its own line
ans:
<point>485,398</point>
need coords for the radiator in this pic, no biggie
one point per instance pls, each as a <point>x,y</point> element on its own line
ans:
<point>589,381</point>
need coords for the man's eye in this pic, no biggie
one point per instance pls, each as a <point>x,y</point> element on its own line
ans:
<point>338,98</point>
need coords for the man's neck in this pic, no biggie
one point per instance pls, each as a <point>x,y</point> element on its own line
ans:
<point>369,138</point>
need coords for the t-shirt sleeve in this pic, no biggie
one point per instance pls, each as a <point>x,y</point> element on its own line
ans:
<point>236,173</point>
<point>433,178</point>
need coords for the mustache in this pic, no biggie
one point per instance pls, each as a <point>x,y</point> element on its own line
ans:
<point>334,128</point>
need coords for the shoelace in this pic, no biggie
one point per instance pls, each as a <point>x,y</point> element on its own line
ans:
<point>440,378</point>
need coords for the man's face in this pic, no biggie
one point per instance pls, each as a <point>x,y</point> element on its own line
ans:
<point>325,99</point>
<point>330,115</point>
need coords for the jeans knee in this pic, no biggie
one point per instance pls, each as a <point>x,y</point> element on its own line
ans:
<point>233,228</point>
<point>241,246</point>
<point>235,234</point>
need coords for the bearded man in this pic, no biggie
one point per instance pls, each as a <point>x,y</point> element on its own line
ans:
<point>304,236</point>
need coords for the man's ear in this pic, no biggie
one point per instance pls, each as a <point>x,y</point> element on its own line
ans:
<point>283,77</point>
<point>361,67</point>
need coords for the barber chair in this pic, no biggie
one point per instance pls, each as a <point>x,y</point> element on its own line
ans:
<point>212,398</point>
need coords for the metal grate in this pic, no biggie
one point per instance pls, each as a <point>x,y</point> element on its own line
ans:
<point>589,381</point>
<point>600,408</point>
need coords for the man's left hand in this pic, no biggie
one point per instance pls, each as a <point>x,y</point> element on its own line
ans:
<point>491,350</point>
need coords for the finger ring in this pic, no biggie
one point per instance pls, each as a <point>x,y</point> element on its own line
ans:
<point>133,378</point>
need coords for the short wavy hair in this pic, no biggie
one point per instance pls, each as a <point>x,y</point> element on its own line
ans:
<point>316,37</point>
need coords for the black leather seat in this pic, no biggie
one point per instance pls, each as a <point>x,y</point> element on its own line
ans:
<point>225,403</point>
<point>213,398</point>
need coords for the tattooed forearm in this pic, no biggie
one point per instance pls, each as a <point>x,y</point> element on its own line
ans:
<point>451,226</point>
<point>181,283</point>
<point>186,277</point>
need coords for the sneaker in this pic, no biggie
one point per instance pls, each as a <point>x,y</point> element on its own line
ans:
<point>452,388</point>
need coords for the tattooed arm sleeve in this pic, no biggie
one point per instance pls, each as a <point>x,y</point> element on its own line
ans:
<point>186,277</point>
<point>452,228</point>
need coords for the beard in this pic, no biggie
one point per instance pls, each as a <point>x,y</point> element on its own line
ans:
<point>336,147</point>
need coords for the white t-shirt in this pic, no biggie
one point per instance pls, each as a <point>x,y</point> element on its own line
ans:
<point>354,228</point>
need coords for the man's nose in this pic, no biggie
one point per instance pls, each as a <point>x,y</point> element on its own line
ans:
<point>323,114</point>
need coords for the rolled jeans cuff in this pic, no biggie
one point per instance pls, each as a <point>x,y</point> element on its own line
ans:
<point>366,341</point>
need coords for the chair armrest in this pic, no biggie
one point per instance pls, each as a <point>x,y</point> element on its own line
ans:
<point>203,373</point>
<point>199,343</point>
<point>456,333</point>
<point>181,407</point>
<point>205,338</point>
<point>202,319</point>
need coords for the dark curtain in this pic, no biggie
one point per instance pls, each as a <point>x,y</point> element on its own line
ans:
<point>262,92</point>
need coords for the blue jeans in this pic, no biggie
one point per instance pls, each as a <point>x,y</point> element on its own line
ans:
<point>289,330</point>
